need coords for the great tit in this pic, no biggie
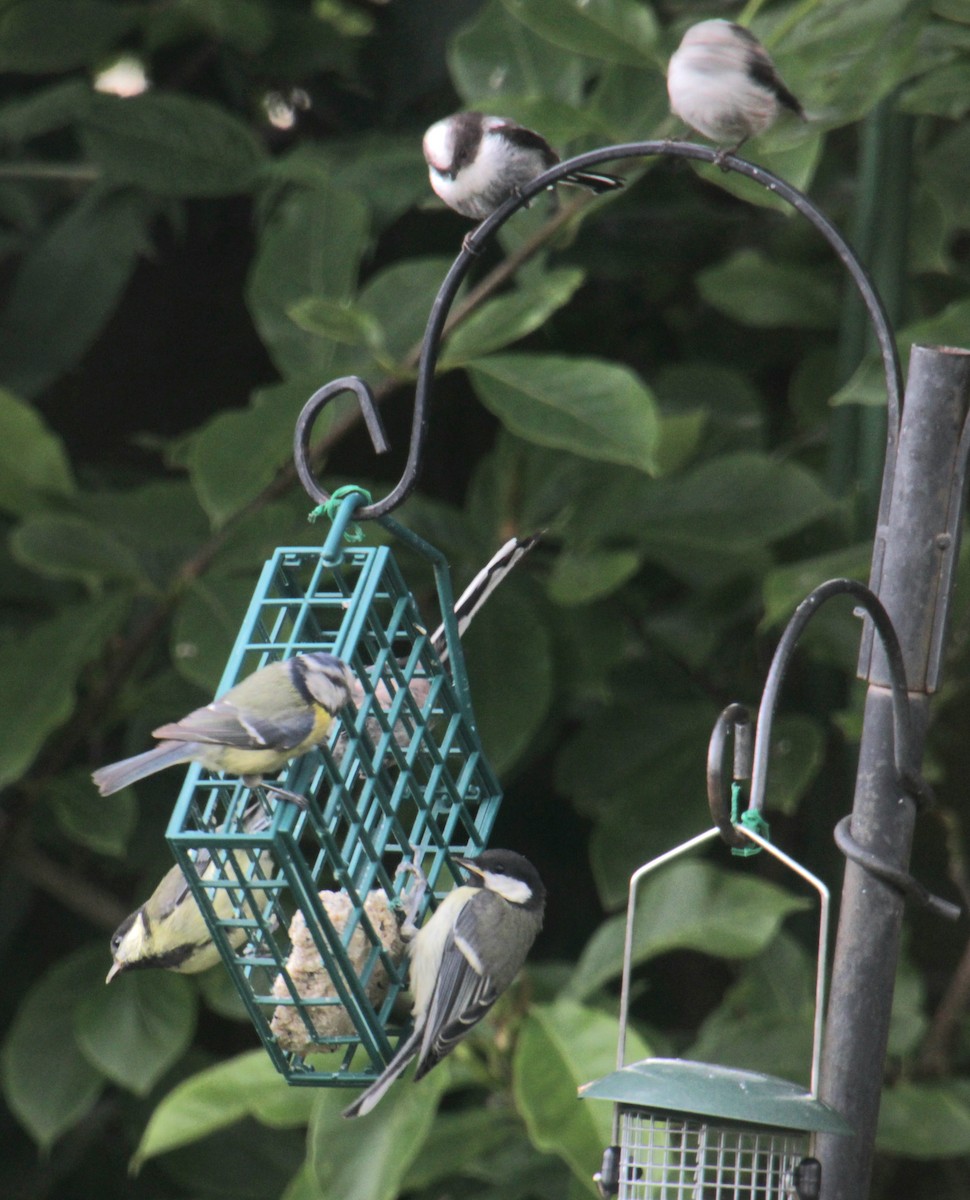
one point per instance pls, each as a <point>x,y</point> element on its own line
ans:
<point>463,959</point>
<point>476,162</point>
<point>169,931</point>
<point>721,81</point>
<point>277,713</point>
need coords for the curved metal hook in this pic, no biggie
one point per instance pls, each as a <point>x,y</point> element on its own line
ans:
<point>478,238</point>
<point>736,718</point>
<point>309,413</point>
<point>903,755</point>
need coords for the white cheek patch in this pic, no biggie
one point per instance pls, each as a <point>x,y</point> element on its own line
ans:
<point>516,891</point>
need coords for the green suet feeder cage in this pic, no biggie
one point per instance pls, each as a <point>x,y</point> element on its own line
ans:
<point>300,901</point>
<point>697,1131</point>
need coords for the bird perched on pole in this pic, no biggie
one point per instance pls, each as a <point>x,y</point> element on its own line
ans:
<point>463,959</point>
<point>275,714</point>
<point>476,162</point>
<point>721,81</point>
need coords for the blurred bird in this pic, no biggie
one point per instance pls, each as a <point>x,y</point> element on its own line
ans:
<point>169,931</point>
<point>721,81</point>
<point>463,959</point>
<point>277,713</point>
<point>476,162</point>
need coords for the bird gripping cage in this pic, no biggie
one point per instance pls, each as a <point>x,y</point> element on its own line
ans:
<point>700,1131</point>
<point>299,899</point>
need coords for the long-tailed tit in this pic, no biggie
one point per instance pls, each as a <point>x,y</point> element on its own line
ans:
<point>723,84</point>
<point>476,162</point>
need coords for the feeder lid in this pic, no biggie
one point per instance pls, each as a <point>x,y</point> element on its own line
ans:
<point>707,1090</point>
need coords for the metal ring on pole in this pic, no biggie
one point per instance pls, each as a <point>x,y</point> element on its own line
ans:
<point>471,251</point>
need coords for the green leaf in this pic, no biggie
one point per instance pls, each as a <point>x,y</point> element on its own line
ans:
<point>785,587</point>
<point>172,145</point>
<point>795,759</point>
<point>403,324</point>
<point>461,1143</point>
<point>68,547</point>
<point>137,1028</point>
<point>103,824</point>
<point>507,318</point>
<point>310,245</point>
<point>43,110</point>
<point>592,408</point>
<point>944,92</point>
<point>712,521</point>
<point>338,320</point>
<point>750,288</point>
<point>205,627</point>
<point>33,462</point>
<point>368,1158</point>
<point>579,578</point>
<point>765,1021</point>
<point>34,39</point>
<point>247,1085</point>
<point>237,453</point>
<point>45,699</point>
<point>67,286</point>
<point>620,31</point>
<point>690,905</point>
<point>560,1047</point>
<point>48,1083</point>
<point>925,1120</point>
<point>495,56</point>
<point>510,670</point>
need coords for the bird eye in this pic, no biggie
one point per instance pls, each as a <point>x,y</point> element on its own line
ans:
<point>115,942</point>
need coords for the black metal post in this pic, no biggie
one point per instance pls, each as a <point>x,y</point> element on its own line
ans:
<point>916,545</point>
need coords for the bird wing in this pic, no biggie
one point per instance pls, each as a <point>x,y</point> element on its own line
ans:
<point>762,70</point>
<point>528,139</point>
<point>223,723</point>
<point>463,992</point>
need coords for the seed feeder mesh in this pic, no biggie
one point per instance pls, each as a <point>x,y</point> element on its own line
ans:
<point>299,901</point>
<point>677,1158</point>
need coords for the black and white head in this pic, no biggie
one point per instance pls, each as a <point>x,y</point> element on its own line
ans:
<point>326,679</point>
<point>508,874</point>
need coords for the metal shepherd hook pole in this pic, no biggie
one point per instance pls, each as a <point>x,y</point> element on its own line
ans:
<point>912,574</point>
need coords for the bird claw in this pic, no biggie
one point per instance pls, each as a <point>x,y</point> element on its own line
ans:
<point>272,789</point>
<point>408,927</point>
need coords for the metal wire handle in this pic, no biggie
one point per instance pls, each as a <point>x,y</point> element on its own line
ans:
<point>480,236</point>
<point>821,973</point>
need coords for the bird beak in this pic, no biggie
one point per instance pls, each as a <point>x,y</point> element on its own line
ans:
<point>470,865</point>
<point>115,968</point>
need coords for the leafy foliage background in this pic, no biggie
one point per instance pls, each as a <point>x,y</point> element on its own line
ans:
<point>650,379</point>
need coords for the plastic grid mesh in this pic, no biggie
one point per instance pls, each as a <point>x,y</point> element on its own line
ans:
<point>401,776</point>
<point>664,1157</point>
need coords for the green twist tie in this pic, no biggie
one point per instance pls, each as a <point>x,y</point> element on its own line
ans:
<point>353,532</point>
<point>752,819</point>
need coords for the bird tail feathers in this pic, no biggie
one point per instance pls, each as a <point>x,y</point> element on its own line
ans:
<point>118,775</point>
<point>482,586</point>
<point>595,182</point>
<point>395,1068</point>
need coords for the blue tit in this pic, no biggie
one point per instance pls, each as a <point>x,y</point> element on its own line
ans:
<point>277,713</point>
<point>721,81</point>
<point>169,931</point>
<point>463,959</point>
<point>476,162</point>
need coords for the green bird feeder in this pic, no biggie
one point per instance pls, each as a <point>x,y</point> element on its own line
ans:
<point>302,900</point>
<point>699,1131</point>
